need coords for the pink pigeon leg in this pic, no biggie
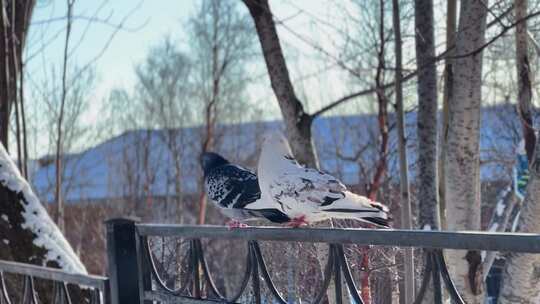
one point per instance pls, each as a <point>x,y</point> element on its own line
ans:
<point>298,221</point>
<point>232,224</point>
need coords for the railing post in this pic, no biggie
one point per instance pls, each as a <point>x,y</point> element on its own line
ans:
<point>124,267</point>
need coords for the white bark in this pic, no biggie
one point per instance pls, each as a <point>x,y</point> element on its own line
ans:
<point>521,278</point>
<point>406,218</point>
<point>462,163</point>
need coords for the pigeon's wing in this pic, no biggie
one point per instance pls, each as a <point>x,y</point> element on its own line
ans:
<point>306,186</point>
<point>232,186</point>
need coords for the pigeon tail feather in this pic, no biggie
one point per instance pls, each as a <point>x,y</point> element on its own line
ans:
<point>358,207</point>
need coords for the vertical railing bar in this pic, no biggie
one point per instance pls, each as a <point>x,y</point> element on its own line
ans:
<point>353,290</point>
<point>95,296</point>
<point>206,271</point>
<point>33,290</point>
<point>328,272</point>
<point>66,293</point>
<point>3,290</point>
<point>56,298</point>
<point>196,273</point>
<point>425,279</point>
<point>29,292</point>
<point>265,274</point>
<point>247,275</point>
<point>454,294</point>
<point>256,282</point>
<point>437,291</point>
<point>337,276</point>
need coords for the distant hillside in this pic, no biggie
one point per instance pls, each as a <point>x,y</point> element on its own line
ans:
<point>143,162</point>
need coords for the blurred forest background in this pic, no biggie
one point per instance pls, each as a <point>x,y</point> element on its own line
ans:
<point>426,106</point>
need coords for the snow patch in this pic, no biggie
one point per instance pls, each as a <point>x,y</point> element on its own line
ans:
<point>500,207</point>
<point>427,227</point>
<point>494,227</point>
<point>5,217</point>
<point>6,241</point>
<point>36,219</point>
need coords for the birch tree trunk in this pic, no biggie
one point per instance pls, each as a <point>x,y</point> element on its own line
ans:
<point>524,78</point>
<point>521,277</point>
<point>405,206</point>
<point>462,163</point>
<point>448,84</point>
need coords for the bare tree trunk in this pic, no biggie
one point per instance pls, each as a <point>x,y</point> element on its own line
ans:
<point>59,143</point>
<point>405,209</point>
<point>521,282</point>
<point>462,163</point>
<point>297,122</point>
<point>448,84</point>
<point>524,78</point>
<point>427,115</point>
<point>14,21</point>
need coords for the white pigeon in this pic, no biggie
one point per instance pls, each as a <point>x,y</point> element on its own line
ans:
<point>308,195</point>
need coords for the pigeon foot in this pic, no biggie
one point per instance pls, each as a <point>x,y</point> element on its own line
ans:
<point>297,222</point>
<point>232,224</point>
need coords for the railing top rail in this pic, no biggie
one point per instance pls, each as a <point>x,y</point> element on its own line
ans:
<point>53,274</point>
<point>467,240</point>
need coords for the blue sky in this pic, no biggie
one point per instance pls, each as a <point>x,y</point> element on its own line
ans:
<point>307,22</point>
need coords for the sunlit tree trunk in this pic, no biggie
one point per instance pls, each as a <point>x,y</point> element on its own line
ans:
<point>405,206</point>
<point>447,90</point>
<point>521,282</point>
<point>462,163</point>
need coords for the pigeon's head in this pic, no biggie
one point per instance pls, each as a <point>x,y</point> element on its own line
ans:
<point>277,143</point>
<point>211,160</point>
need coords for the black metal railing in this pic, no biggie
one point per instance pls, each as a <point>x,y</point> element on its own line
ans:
<point>131,256</point>
<point>95,289</point>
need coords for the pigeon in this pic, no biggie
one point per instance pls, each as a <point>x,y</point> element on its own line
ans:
<point>308,195</point>
<point>234,189</point>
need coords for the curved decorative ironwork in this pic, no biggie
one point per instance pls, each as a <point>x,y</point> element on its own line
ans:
<point>199,258</point>
<point>435,268</point>
<point>437,291</point>
<point>61,293</point>
<point>327,277</point>
<point>246,278</point>
<point>155,274</point>
<point>426,278</point>
<point>256,268</point>
<point>450,286</point>
<point>3,290</point>
<point>264,271</point>
<point>29,291</point>
<point>353,290</point>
